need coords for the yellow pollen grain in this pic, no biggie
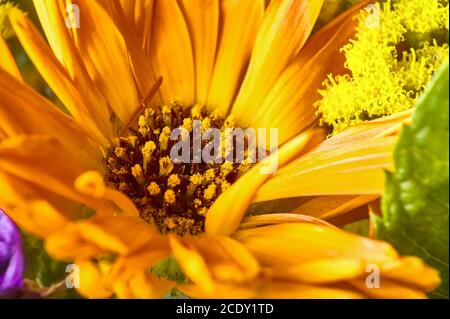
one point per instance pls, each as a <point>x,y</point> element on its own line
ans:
<point>224,186</point>
<point>136,170</point>
<point>123,186</point>
<point>203,212</point>
<point>197,203</point>
<point>120,171</point>
<point>164,138</point>
<point>148,149</point>
<point>210,175</point>
<point>196,111</point>
<point>226,169</point>
<point>132,140</point>
<point>206,123</point>
<point>112,161</point>
<point>165,166</point>
<point>196,179</point>
<point>230,122</point>
<point>173,180</point>
<point>119,151</point>
<point>169,196</point>
<point>154,189</point>
<point>167,115</point>
<point>187,124</point>
<point>170,223</point>
<point>210,192</point>
<point>144,131</point>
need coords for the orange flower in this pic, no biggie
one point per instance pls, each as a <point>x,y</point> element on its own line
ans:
<point>76,180</point>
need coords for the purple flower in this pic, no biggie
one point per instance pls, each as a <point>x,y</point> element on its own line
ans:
<point>11,256</point>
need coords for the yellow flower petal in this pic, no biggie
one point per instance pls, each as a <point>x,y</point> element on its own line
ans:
<point>38,110</point>
<point>44,162</point>
<point>7,61</point>
<point>269,219</point>
<point>284,30</point>
<point>172,55</point>
<point>349,163</point>
<point>281,290</point>
<point>192,264</point>
<point>327,207</point>
<point>67,244</point>
<point>388,290</point>
<point>140,62</point>
<point>103,50</point>
<point>238,17</point>
<point>113,233</point>
<point>264,289</point>
<point>92,183</point>
<point>92,281</point>
<point>94,122</point>
<point>147,286</point>
<point>412,271</point>
<point>202,18</point>
<point>321,271</point>
<point>289,105</point>
<point>225,215</point>
<point>309,242</point>
<point>226,260</point>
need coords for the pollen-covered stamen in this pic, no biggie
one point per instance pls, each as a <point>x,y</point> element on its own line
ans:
<point>174,196</point>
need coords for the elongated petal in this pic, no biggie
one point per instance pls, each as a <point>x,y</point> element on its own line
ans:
<point>140,62</point>
<point>308,242</point>
<point>281,290</point>
<point>53,17</point>
<point>112,233</point>
<point>105,56</point>
<point>202,18</point>
<point>100,235</point>
<point>93,283</point>
<point>389,290</point>
<point>226,213</point>
<point>193,265</point>
<point>43,161</point>
<point>284,30</point>
<point>289,105</point>
<point>327,207</point>
<point>321,271</point>
<point>349,163</point>
<point>172,55</point>
<point>269,219</point>
<point>355,169</point>
<point>411,271</point>
<point>23,112</point>
<point>225,259</point>
<point>33,209</point>
<point>265,289</point>
<point>147,286</point>
<point>7,61</point>
<point>239,25</point>
<point>55,75</point>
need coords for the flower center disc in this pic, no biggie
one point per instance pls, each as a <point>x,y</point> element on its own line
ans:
<point>172,195</point>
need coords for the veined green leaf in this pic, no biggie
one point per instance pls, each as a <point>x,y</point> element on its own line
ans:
<point>415,203</point>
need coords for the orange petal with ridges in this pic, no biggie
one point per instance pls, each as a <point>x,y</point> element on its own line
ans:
<point>286,26</point>
<point>241,17</point>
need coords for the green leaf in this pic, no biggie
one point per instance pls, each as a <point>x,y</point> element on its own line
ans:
<point>40,267</point>
<point>360,227</point>
<point>169,268</point>
<point>415,202</point>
